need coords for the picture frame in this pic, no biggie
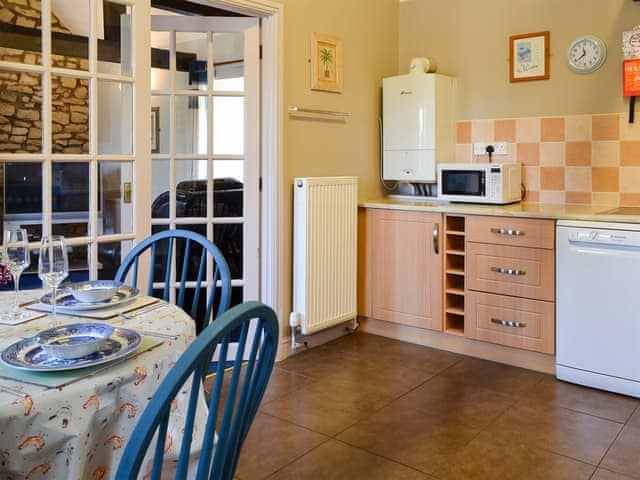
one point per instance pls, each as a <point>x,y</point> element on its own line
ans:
<point>155,129</point>
<point>326,63</point>
<point>529,57</point>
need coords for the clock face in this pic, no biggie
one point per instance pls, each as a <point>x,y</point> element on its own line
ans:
<point>586,54</point>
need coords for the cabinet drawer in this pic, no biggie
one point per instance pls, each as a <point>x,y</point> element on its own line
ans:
<point>522,232</point>
<point>515,271</point>
<point>515,322</point>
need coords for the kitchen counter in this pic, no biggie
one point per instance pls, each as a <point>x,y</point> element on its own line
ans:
<point>522,209</point>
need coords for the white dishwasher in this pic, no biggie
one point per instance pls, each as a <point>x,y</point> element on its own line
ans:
<point>598,305</point>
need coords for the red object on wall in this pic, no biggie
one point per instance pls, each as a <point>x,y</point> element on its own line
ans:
<point>631,77</point>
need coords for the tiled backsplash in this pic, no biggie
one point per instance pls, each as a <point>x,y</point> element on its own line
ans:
<point>572,159</point>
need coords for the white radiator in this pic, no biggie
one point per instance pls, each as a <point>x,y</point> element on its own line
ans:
<point>325,242</point>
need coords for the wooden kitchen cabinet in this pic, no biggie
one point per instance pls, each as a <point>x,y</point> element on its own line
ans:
<point>510,282</point>
<point>404,268</point>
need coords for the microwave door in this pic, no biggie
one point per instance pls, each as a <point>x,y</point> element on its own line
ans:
<point>467,183</point>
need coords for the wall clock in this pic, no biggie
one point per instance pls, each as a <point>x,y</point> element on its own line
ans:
<point>586,54</point>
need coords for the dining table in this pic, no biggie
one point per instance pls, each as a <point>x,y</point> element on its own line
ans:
<point>75,424</point>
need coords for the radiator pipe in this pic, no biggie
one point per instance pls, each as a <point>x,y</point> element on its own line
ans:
<point>294,323</point>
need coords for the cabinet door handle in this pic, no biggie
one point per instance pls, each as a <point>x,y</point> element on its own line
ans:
<point>508,323</point>
<point>508,231</point>
<point>436,238</point>
<point>509,271</point>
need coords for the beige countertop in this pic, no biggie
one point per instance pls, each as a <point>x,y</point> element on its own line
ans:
<point>522,209</point>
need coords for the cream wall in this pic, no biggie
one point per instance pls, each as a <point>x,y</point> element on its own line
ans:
<point>369,30</point>
<point>469,39</point>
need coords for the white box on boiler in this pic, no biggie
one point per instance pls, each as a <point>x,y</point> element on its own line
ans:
<point>418,126</point>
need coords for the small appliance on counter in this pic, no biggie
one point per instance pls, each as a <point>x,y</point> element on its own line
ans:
<point>495,183</point>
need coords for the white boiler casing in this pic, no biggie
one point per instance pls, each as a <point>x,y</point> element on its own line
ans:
<point>418,124</point>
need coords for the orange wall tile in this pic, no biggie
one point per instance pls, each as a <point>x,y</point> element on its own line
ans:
<point>605,127</point>
<point>551,178</point>
<point>504,131</point>
<point>630,153</point>
<point>605,179</point>
<point>552,129</point>
<point>578,153</point>
<point>463,132</point>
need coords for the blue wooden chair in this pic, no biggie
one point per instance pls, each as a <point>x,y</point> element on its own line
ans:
<point>192,253</point>
<point>230,414</point>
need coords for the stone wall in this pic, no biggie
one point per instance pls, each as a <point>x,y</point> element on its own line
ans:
<point>21,93</point>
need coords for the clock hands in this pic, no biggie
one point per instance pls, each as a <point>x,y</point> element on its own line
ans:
<point>584,53</point>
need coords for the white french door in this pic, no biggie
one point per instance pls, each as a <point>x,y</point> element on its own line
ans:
<point>205,136</point>
<point>70,83</point>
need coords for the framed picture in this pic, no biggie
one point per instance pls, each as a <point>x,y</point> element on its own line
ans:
<point>529,57</point>
<point>155,129</point>
<point>326,63</point>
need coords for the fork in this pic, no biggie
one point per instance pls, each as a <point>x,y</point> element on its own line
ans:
<point>142,311</point>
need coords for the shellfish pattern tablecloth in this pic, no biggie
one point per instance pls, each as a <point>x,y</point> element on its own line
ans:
<point>79,431</point>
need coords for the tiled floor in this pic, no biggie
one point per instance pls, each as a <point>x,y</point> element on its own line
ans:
<point>367,407</point>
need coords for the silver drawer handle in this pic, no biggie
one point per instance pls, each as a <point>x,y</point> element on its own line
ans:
<point>509,271</point>
<point>508,323</point>
<point>508,231</point>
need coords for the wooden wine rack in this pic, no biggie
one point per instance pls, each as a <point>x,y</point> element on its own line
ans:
<point>454,269</point>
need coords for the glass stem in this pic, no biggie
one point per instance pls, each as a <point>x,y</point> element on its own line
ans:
<point>54,302</point>
<point>16,300</point>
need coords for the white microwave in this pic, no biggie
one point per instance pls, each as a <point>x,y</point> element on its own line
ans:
<point>497,183</point>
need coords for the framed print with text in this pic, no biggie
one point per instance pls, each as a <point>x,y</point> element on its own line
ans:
<point>529,57</point>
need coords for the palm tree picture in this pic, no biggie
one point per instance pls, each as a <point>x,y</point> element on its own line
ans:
<point>326,58</point>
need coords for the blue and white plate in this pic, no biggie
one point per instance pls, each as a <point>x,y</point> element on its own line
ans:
<point>28,354</point>
<point>67,301</point>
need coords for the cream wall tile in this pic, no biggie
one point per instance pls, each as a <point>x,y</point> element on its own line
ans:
<point>552,153</point>
<point>482,131</point>
<point>629,131</point>
<point>578,128</point>
<point>577,179</point>
<point>464,153</point>
<point>549,196</point>
<point>605,154</point>
<point>630,179</point>
<point>605,198</point>
<point>527,130</point>
<point>531,178</point>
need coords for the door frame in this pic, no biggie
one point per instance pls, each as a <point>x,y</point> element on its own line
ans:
<point>271,145</point>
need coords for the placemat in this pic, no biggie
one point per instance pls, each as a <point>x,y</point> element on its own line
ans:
<point>10,321</point>
<point>101,314</point>
<point>64,378</point>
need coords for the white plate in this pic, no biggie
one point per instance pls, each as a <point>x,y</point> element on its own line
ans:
<point>28,354</point>
<point>67,301</point>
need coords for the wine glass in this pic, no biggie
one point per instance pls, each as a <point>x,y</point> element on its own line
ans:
<point>17,258</point>
<point>53,266</point>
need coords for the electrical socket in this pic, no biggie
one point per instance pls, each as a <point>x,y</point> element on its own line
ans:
<point>499,148</point>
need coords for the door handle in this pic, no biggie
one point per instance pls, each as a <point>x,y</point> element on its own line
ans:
<point>508,323</point>
<point>509,271</point>
<point>508,231</point>
<point>436,237</point>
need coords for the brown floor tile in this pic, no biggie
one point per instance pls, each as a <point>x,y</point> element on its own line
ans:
<point>624,454</point>
<point>283,382</point>
<point>325,408</point>
<point>409,437</point>
<point>447,399</point>
<point>385,351</point>
<point>483,461</point>
<point>315,363</point>
<point>273,443</point>
<point>336,461</point>
<point>558,430</point>
<point>493,376</point>
<point>602,474</point>
<point>634,421</point>
<point>581,399</point>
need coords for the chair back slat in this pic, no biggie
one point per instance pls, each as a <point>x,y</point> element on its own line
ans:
<point>219,450</point>
<point>184,273</point>
<point>161,441</point>
<point>160,247</point>
<point>198,289</point>
<point>167,271</point>
<point>152,267</point>
<point>214,407</point>
<point>187,436</point>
